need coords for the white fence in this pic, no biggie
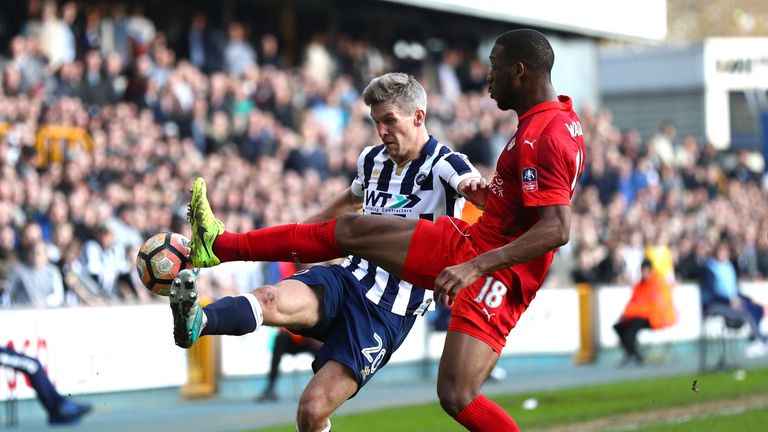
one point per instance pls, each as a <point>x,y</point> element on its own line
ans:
<point>89,350</point>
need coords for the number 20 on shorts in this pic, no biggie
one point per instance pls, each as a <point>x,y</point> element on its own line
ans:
<point>492,293</point>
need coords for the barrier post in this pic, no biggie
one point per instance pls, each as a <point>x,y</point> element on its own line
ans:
<point>586,352</point>
<point>201,367</point>
<point>11,410</point>
<point>11,403</point>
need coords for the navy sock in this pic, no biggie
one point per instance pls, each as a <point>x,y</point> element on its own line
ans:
<point>229,316</point>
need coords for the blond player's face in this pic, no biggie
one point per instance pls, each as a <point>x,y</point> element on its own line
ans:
<point>398,130</point>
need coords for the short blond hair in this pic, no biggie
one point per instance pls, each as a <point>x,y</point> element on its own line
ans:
<point>400,88</point>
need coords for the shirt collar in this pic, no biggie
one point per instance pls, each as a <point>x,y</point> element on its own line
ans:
<point>562,103</point>
<point>430,146</point>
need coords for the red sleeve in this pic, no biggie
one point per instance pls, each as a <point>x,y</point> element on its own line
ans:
<point>545,173</point>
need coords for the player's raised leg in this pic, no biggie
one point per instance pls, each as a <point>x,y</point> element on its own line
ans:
<point>464,366</point>
<point>331,386</point>
<point>290,303</point>
<point>211,244</point>
<point>381,239</point>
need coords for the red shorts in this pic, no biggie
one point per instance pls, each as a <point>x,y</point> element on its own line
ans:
<point>486,310</point>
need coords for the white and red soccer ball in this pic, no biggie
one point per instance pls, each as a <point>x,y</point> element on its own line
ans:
<point>160,259</point>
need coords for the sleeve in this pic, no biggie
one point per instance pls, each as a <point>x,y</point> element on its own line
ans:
<point>454,168</point>
<point>8,294</point>
<point>706,283</point>
<point>357,186</point>
<point>546,173</point>
<point>19,292</point>
<point>56,297</point>
<point>91,257</point>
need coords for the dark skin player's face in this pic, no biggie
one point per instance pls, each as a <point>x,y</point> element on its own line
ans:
<point>502,80</point>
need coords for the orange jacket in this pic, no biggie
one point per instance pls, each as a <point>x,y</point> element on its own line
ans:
<point>652,299</point>
<point>470,214</point>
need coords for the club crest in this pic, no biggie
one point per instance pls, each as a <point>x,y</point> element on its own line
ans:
<point>530,179</point>
<point>420,178</point>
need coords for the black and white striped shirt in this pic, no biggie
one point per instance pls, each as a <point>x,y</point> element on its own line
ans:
<point>424,188</point>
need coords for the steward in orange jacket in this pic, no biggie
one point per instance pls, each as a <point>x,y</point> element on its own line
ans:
<point>650,307</point>
<point>652,300</point>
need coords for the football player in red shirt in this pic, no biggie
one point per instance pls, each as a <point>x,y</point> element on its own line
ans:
<point>490,271</point>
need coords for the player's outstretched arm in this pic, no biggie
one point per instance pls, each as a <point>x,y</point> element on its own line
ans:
<point>550,232</point>
<point>345,202</point>
<point>475,190</point>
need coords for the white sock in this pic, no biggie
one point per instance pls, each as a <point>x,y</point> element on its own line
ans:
<point>258,314</point>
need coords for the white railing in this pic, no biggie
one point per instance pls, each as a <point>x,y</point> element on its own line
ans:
<point>89,349</point>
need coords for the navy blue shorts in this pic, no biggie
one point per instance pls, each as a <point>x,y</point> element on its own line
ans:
<point>356,332</point>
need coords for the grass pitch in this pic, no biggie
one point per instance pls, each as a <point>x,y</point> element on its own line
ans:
<point>725,401</point>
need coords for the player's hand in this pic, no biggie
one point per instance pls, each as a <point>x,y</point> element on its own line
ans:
<point>475,190</point>
<point>452,279</point>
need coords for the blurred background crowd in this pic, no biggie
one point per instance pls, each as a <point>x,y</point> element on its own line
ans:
<point>105,121</point>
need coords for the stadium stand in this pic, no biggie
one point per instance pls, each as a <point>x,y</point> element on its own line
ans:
<point>127,120</point>
<point>106,116</point>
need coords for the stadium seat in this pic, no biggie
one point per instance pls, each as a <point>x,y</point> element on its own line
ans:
<point>721,326</point>
<point>719,334</point>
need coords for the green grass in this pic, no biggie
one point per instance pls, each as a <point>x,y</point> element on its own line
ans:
<point>752,420</point>
<point>584,403</point>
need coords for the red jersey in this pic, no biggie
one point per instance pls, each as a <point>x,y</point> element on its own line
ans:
<point>539,166</point>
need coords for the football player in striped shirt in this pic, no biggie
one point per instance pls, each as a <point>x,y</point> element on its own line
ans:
<point>492,268</point>
<point>361,312</point>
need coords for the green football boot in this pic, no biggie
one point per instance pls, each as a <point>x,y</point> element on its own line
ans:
<point>205,227</point>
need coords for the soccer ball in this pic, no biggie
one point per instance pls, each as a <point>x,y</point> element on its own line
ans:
<point>160,259</point>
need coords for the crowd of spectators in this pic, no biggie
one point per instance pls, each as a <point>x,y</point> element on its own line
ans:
<point>104,122</point>
<point>667,200</point>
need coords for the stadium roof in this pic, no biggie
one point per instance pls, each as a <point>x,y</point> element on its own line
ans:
<point>617,19</point>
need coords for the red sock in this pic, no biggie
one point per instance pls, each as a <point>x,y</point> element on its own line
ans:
<point>483,415</point>
<point>306,243</point>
